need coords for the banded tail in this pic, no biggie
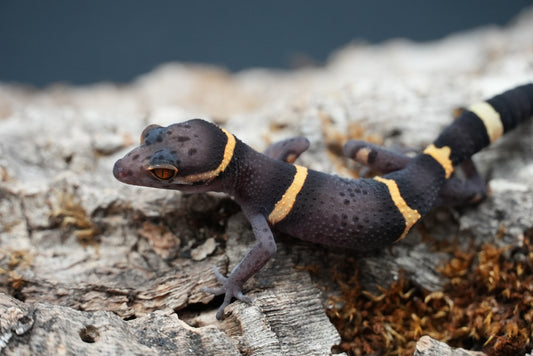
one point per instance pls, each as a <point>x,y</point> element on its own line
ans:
<point>483,123</point>
<point>424,179</point>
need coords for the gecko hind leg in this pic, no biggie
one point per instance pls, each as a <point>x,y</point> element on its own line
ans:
<point>470,190</point>
<point>374,157</point>
<point>288,150</point>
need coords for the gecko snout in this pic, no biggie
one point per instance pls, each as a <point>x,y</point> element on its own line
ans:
<point>119,172</point>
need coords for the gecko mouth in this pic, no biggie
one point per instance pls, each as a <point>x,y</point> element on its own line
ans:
<point>182,182</point>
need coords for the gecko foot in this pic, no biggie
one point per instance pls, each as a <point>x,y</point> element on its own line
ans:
<point>231,289</point>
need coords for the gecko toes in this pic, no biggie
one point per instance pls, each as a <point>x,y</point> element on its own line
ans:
<point>219,276</point>
<point>244,298</point>
<point>230,288</point>
<point>215,291</point>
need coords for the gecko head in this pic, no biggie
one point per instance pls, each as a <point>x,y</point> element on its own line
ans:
<point>180,156</point>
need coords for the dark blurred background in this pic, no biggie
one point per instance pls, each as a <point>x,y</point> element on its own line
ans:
<point>81,42</point>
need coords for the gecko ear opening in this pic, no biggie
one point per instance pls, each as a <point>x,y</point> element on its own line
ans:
<point>163,172</point>
<point>146,130</point>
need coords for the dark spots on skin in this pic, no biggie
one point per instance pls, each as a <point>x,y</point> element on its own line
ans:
<point>136,157</point>
<point>342,194</point>
<point>183,138</point>
<point>169,132</point>
<point>192,151</point>
<point>159,138</point>
<point>346,202</point>
<point>129,172</point>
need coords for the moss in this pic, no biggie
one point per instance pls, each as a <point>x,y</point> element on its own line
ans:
<point>487,305</point>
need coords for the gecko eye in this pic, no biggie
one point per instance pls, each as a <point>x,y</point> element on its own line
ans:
<point>165,172</point>
<point>146,130</point>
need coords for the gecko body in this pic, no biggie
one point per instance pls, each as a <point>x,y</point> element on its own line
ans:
<point>361,214</point>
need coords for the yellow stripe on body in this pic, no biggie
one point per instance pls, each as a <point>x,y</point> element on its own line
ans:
<point>411,216</point>
<point>491,119</point>
<point>285,204</point>
<point>228,154</point>
<point>442,156</point>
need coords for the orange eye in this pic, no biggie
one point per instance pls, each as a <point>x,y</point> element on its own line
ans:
<point>164,173</point>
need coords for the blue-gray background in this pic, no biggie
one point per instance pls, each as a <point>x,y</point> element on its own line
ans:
<point>80,42</point>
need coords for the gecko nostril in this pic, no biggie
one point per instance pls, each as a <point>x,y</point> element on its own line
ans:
<point>118,171</point>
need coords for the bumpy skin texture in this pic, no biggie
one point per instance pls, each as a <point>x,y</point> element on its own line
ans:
<point>362,214</point>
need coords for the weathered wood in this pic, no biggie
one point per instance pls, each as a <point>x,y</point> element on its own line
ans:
<point>40,329</point>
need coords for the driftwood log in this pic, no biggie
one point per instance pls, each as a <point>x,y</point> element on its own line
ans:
<point>91,266</point>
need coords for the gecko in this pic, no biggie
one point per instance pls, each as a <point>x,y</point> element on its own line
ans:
<point>275,194</point>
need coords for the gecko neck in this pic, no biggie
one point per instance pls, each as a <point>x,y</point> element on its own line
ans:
<point>255,180</point>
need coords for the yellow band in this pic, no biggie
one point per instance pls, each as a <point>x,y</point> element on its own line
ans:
<point>228,154</point>
<point>441,155</point>
<point>285,204</point>
<point>411,216</point>
<point>491,119</point>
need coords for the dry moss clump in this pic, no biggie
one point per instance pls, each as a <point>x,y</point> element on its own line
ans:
<point>487,306</point>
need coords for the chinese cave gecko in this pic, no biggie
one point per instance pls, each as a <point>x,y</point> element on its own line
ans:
<point>362,214</point>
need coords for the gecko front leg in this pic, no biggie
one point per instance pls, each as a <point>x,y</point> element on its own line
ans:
<point>255,259</point>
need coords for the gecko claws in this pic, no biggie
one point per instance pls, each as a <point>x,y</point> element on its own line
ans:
<point>244,298</point>
<point>229,295</point>
<point>230,289</point>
